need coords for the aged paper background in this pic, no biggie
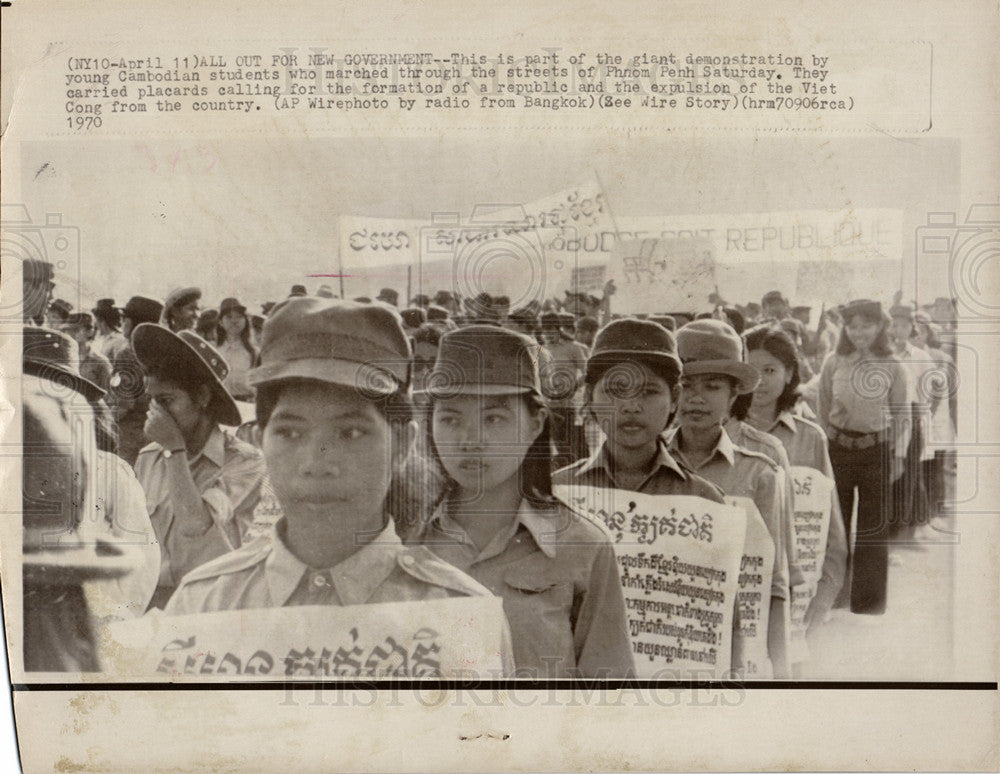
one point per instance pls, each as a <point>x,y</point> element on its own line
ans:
<point>923,138</point>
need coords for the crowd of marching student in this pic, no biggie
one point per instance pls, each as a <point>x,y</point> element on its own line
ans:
<point>236,458</point>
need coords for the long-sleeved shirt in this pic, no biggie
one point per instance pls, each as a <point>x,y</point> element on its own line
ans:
<point>865,396</point>
<point>227,473</point>
<point>561,590</point>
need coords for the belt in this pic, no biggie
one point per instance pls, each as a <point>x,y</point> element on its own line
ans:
<point>848,439</point>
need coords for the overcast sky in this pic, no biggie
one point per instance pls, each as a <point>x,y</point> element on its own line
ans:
<point>250,217</point>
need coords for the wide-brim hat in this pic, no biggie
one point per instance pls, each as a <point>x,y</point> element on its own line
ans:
<point>154,343</point>
<point>713,347</point>
<point>55,356</point>
<point>485,360</point>
<point>334,341</point>
<point>632,340</point>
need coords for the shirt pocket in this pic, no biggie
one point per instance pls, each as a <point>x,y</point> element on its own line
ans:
<point>538,602</point>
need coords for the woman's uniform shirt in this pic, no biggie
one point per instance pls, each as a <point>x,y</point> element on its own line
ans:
<point>863,396</point>
<point>558,577</point>
<point>742,473</point>
<point>806,445</point>
<point>746,436</point>
<point>240,361</point>
<point>228,473</point>
<point>668,476</point>
<point>265,573</point>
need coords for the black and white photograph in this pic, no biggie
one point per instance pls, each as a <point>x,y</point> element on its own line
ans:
<point>547,410</point>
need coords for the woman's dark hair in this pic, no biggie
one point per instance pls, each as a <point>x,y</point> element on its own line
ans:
<point>221,335</point>
<point>179,373</point>
<point>777,343</point>
<point>880,346</point>
<point>408,500</point>
<point>596,372</point>
<point>535,474</point>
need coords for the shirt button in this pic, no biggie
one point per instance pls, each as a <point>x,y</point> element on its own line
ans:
<point>319,581</point>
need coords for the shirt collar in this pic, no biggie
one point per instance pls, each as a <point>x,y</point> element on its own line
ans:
<point>214,449</point>
<point>723,446</point>
<point>664,459</point>
<point>787,419</point>
<point>539,526</point>
<point>355,579</point>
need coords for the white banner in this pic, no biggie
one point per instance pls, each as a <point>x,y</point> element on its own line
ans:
<point>812,505</point>
<point>750,658</point>
<point>540,249</point>
<point>526,252</point>
<point>448,638</point>
<point>662,275</point>
<point>679,557</point>
<point>809,255</point>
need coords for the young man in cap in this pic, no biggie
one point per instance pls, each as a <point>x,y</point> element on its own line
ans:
<point>180,310</point>
<point>562,377</point>
<point>109,340</point>
<point>201,484</point>
<point>333,400</point>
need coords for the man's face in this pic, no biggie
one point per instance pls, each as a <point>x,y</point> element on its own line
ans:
<point>329,453</point>
<point>185,316</point>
